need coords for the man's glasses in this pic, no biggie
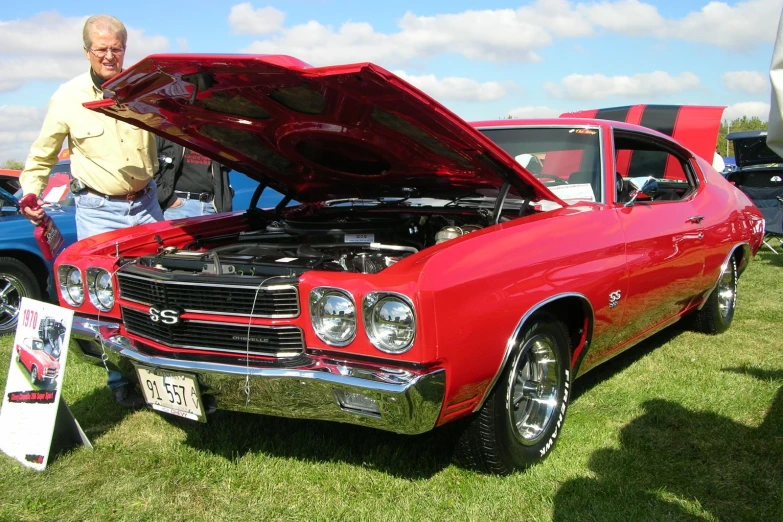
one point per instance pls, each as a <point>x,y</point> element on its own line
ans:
<point>101,53</point>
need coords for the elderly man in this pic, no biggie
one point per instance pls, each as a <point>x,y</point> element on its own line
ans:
<point>112,162</point>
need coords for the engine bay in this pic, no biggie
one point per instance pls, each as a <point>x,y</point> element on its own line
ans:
<point>364,242</point>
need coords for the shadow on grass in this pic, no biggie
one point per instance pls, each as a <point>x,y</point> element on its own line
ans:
<point>674,463</point>
<point>233,435</point>
<point>769,257</point>
<point>624,360</point>
<point>97,412</point>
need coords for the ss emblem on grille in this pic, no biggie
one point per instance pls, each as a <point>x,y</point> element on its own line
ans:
<point>165,316</point>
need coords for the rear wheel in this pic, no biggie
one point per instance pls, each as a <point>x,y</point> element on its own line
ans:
<point>522,417</point>
<point>718,312</point>
<point>16,281</point>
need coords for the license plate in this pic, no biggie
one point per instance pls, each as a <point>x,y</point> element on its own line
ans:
<point>171,392</point>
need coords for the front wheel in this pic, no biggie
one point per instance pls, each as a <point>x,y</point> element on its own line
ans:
<point>16,282</point>
<point>522,417</point>
<point>34,374</point>
<point>718,312</point>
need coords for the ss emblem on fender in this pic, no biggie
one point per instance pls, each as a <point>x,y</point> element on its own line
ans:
<point>165,316</point>
<point>614,298</point>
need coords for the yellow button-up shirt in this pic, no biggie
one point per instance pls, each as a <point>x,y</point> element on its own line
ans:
<point>107,155</point>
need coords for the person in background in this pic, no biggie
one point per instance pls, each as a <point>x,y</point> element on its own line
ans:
<point>190,184</point>
<point>112,162</point>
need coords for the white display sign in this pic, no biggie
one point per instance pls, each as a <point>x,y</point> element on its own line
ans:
<point>573,192</point>
<point>35,376</point>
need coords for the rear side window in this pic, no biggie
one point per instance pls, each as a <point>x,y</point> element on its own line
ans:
<point>642,155</point>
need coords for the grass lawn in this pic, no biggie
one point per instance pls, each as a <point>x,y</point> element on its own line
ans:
<point>682,427</point>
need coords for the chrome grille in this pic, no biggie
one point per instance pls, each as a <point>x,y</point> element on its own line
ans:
<point>274,301</point>
<point>274,341</point>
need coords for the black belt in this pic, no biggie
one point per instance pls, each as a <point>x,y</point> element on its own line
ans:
<point>204,197</point>
<point>130,196</point>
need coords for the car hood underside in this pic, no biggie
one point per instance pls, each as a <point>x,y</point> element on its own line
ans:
<point>353,131</point>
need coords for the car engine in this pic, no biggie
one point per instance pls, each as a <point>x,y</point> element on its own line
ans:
<point>364,244</point>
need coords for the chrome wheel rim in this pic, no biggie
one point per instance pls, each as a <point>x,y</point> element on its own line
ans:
<point>11,292</point>
<point>535,389</point>
<point>727,293</point>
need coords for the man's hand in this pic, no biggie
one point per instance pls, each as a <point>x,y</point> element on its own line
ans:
<point>35,216</point>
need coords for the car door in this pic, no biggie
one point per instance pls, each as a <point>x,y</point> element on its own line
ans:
<point>664,237</point>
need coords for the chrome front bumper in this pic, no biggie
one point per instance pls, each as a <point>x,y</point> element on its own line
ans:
<point>407,402</point>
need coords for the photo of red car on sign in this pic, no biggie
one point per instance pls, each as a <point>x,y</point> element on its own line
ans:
<point>40,356</point>
<point>39,362</point>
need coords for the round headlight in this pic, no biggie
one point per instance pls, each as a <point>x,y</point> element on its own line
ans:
<point>333,314</point>
<point>71,288</point>
<point>390,321</point>
<point>100,289</point>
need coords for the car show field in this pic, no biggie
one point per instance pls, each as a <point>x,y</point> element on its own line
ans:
<point>684,427</point>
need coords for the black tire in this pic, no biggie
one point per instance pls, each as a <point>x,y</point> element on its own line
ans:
<point>718,312</point>
<point>34,374</point>
<point>492,442</point>
<point>16,281</point>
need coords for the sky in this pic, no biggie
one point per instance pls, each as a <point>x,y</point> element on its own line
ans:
<point>482,60</point>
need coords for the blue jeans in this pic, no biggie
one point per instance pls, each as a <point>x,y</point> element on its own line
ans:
<point>97,214</point>
<point>189,208</point>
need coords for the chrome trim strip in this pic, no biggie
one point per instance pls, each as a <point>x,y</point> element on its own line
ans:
<point>724,266</point>
<point>407,403</point>
<point>602,174</point>
<point>512,340</point>
<point>212,285</point>
<point>541,126</point>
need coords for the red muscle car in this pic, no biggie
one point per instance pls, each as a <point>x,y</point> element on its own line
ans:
<point>431,270</point>
<point>38,359</point>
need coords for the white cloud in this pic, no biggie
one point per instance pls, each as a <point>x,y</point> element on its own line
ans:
<point>456,88</point>
<point>19,127</point>
<point>740,27</point>
<point>492,35</point>
<point>534,112</point>
<point>505,35</point>
<point>598,86</point>
<point>737,27</point>
<point>26,56</point>
<point>246,20</point>
<point>627,17</point>
<point>752,82</point>
<point>749,109</point>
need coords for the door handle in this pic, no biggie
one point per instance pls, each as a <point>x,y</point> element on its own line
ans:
<point>696,219</point>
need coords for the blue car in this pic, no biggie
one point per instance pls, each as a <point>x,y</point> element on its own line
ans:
<point>23,270</point>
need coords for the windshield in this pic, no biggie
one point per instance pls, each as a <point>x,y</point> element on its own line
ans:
<point>566,159</point>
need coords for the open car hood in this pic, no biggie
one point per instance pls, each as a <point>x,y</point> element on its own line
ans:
<point>750,149</point>
<point>350,131</point>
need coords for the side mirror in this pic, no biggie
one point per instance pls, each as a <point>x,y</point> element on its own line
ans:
<point>642,185</point>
